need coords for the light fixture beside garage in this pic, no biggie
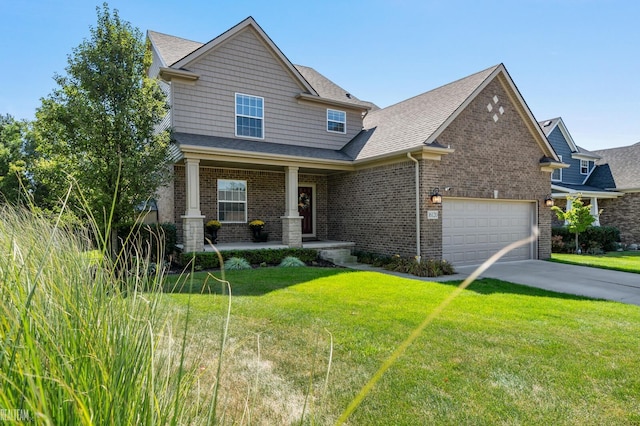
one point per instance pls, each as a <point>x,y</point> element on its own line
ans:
<point>436,198</point>
<point>548,201</point>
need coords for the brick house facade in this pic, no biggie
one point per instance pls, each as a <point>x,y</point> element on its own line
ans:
<point>475,139</point>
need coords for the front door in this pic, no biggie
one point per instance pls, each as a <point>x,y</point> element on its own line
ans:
<point>305,209</point>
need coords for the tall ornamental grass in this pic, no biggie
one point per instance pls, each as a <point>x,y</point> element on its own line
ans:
<point>80,344</point>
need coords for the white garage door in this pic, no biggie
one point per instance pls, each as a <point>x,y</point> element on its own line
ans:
<point>473,230</point>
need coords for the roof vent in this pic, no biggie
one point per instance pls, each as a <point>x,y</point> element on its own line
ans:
<point>547,123</point>
<point>348,95</point>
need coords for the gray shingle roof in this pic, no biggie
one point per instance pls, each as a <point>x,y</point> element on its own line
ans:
<point>548,125</point>
<point>328,89</point>
<point>258,147</point>
<point>624,164</point>
<point>171,49</point>
<point>410,123</point>
<point>601,177</point>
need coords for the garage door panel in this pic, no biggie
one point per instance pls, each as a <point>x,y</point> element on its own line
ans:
<point>473,230</point>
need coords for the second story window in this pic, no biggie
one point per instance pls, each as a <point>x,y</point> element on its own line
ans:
<point>249,116</point>
<point>584,167</point>
<point>557,173</point>
<point>336,121</point>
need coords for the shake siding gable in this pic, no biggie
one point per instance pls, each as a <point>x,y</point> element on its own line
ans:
<point>244,64</point>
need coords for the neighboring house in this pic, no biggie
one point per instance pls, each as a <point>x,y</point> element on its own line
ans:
<point>577,178</point>
<point>256,137</point>
<point>618,169</point>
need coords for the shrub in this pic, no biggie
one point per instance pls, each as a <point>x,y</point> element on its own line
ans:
<point>236,264</point>
<point>291,262</point>
<point>407,265</point>
<point>209,260</point>
<point>557,244</point>
<point>596,237</point>
<point>157,239</point>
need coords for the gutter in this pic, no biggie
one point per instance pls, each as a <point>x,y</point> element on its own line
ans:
<point>418,256</point>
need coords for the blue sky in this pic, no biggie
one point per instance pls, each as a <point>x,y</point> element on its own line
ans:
<point>578,59</point>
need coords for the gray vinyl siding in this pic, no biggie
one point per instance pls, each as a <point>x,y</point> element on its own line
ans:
<point>244,64</point>
<point>571,174</point>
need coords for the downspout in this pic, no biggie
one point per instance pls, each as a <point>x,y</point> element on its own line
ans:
<point>418,256</point>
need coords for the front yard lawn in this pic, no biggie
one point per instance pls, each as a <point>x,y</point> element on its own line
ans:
<point>627,261</point>
<point>500,353</point>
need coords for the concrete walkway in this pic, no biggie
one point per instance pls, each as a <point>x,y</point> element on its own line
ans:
<point>595,283</point>
<point>578,280</point>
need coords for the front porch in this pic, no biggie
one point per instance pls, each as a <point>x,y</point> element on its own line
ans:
<point>315,245</point>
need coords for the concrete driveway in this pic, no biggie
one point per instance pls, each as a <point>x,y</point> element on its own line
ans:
<point>579,280</point>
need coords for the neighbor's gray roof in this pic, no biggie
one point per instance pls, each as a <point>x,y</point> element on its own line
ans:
<point>171,49</point>
<point>258,147</point>
<point>410,123</point>
<point>581,188</point>
<point>548,125</point>
<point>624,163</point>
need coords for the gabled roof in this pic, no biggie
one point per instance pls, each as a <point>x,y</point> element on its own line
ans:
<point>170,48</point>
<point>623,164</point>
<point>549,126</point>
<point>418,121</point>
<point>177,53</point>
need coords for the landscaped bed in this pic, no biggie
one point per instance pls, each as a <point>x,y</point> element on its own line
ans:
<point>499,354</point>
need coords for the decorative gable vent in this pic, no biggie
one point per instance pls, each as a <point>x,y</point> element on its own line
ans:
<point>491,106</point>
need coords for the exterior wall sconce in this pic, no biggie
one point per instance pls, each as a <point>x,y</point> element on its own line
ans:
<point>436,198</point>
<point>549,201</point>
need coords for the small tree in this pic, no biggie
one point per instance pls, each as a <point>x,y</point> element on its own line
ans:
<point>100,126</point>
<point>578,218</point>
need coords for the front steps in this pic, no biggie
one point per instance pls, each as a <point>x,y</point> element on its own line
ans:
<point>338,256</point>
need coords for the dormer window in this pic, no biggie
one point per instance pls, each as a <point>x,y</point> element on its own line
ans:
<point>584,167</point>
<point>336,121</point>
<point>249,116</point>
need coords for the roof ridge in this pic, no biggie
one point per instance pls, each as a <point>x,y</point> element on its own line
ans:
<point>173,36</point>
<point>492,68</point>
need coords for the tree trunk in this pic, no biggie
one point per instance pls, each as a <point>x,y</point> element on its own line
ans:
<point>577,245</point>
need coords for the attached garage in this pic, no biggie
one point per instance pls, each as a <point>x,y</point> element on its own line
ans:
<point>473,229</point>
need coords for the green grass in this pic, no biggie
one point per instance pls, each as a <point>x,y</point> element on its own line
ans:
<point>499,354</point>
<point>627,261</point>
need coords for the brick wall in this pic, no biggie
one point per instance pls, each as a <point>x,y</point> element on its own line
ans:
<point>375,208</point>
<point>623,214</point>
<point>490,156</point>
<point>265,201</point>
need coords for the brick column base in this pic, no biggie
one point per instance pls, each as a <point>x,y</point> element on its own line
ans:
<point>292,231</point>
<point>193,233</point>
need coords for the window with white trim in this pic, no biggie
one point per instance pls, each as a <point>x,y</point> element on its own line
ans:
<point>336,121</point>
<point>584,167</point>
<point>556,175</point>
<point>249,116</point>
<point>232,201</point>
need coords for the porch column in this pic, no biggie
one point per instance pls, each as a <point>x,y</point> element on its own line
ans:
<point>595,212</point>
<point>192,221</point>
<point>291,221</point>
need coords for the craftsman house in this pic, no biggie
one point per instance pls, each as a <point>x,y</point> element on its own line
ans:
<point>608,180</point>
<point>578,178</point>
<point>455,173</point>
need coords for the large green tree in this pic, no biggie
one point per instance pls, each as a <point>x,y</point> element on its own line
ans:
<point>577,219</point>
<point>13,181</point>
<point>99,127</point>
